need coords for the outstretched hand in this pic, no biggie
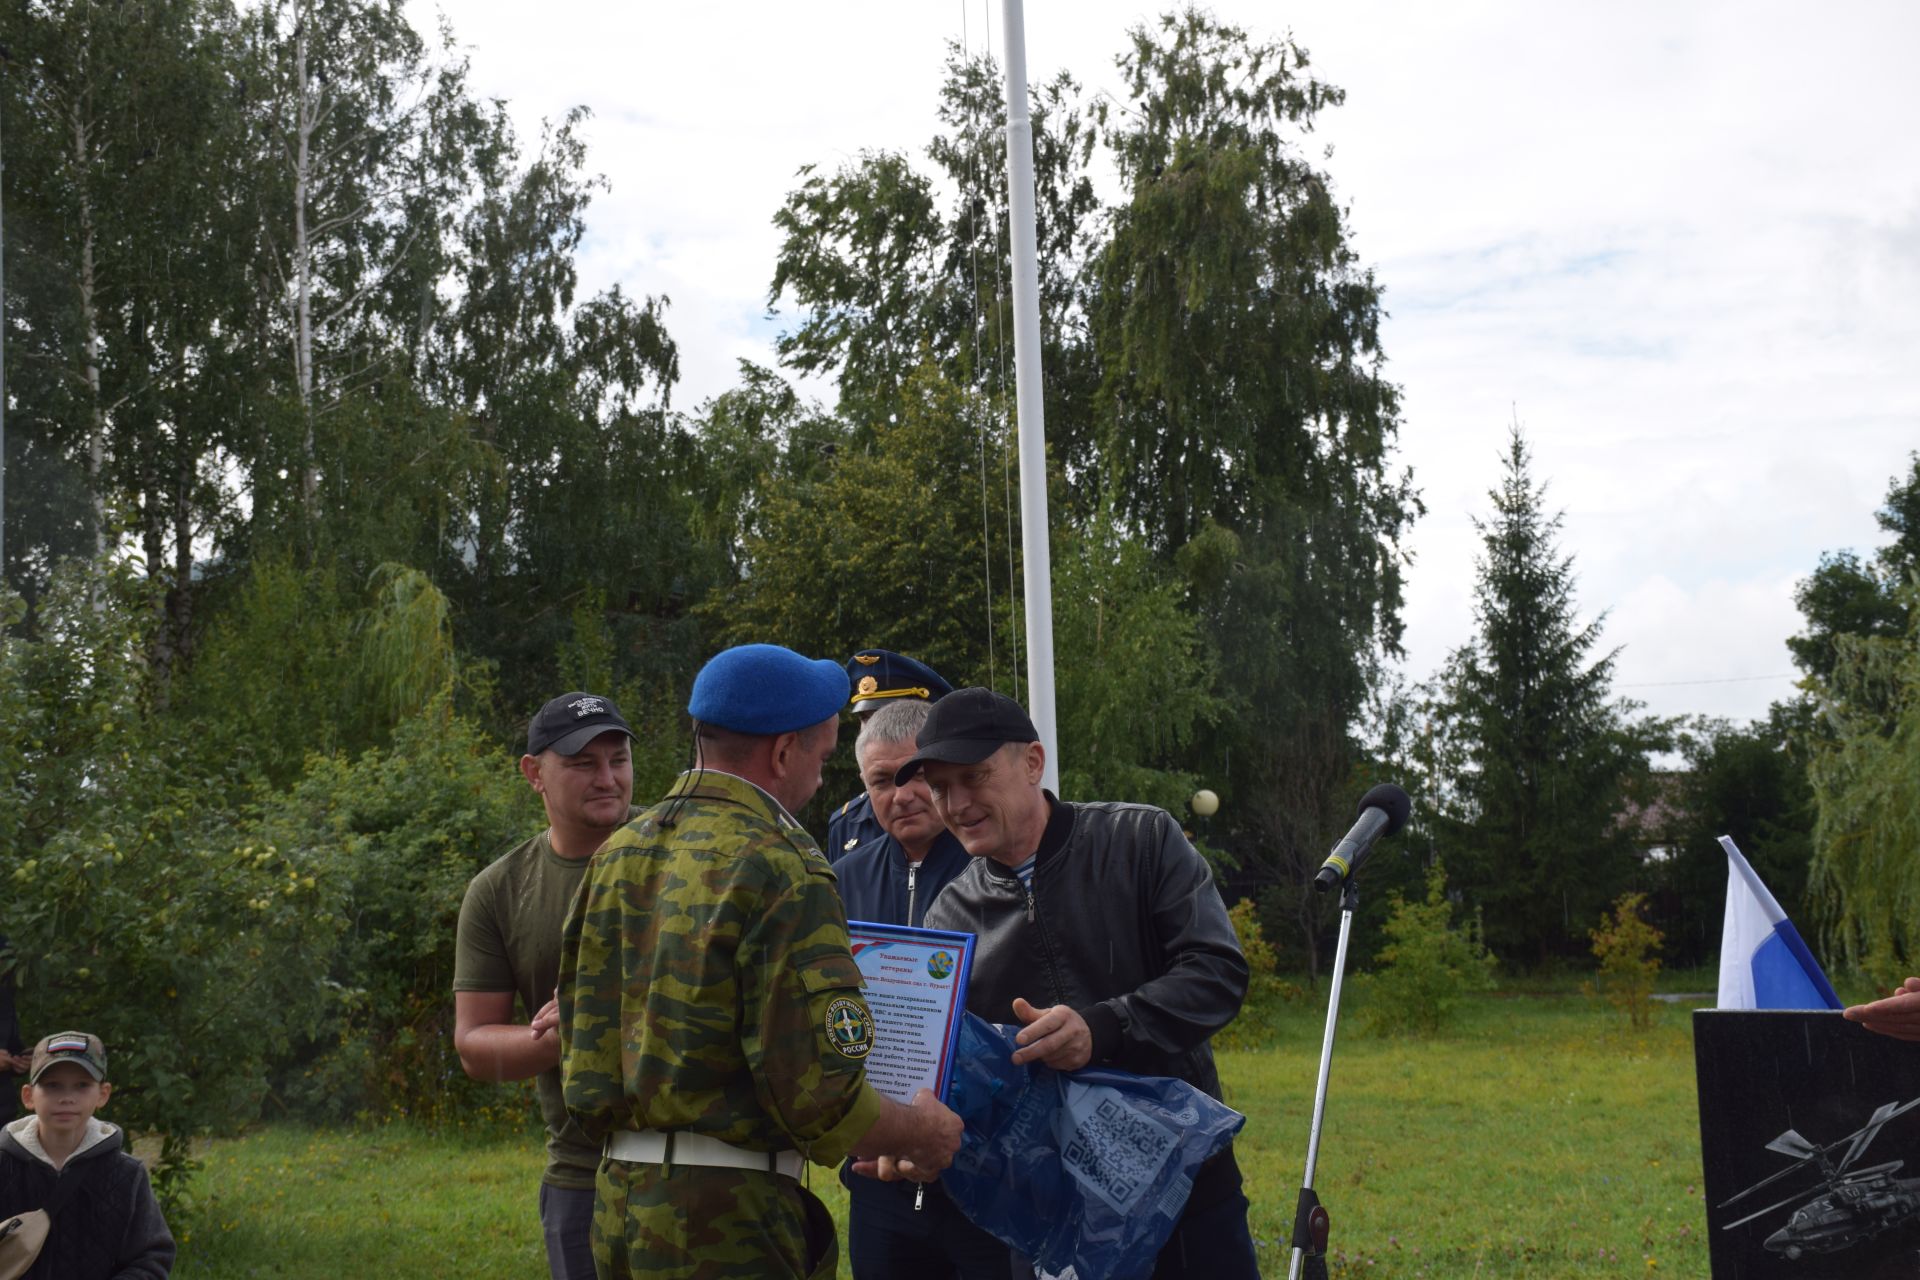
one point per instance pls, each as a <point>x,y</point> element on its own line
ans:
<point>1898,1015</point>
<point>1057,1036</point>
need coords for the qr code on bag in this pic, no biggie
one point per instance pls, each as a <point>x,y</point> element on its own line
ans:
<point>1114,1150</point>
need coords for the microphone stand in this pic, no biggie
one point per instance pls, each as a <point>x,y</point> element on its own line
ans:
<point>1310,1221</point>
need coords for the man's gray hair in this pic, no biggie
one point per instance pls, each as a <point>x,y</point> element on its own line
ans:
<point>896,722</point>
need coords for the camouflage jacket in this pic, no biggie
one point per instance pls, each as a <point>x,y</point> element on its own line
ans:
<point>705,981</point>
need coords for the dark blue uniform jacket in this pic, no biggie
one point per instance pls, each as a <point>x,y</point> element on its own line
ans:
<point>876,880</point>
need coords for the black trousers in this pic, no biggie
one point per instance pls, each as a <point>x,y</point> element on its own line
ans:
<point>888,1239</point>
<point>1212,1240</point>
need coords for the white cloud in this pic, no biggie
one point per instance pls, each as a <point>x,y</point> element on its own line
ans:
<point>1710,648</point>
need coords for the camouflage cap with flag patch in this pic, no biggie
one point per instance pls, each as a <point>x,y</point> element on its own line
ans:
<point>69,1046</point>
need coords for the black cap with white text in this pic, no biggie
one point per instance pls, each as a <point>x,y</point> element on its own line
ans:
<point>572,720</point>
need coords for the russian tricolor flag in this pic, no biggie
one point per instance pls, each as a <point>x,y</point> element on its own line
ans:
<point>1763,962</point>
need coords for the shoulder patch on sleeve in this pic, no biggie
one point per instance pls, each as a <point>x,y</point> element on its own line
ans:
<point>849,1028</point>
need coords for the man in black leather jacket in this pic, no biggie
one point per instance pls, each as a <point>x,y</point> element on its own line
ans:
<point>1099,927</point>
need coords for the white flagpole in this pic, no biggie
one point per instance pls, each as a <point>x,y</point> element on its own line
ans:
<point>1028,394</point>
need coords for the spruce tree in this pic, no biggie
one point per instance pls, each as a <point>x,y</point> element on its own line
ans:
<point>1531,822</point>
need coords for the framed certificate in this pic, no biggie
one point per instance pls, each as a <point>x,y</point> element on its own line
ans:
<point>915,982</point>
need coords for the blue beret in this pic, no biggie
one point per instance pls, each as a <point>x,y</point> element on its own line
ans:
<point>880,674</point>
<point>766,689</point>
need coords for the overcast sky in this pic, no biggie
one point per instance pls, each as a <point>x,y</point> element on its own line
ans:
<point>1681,243</point>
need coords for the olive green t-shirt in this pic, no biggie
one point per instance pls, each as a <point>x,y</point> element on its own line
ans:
<point>509,940</point>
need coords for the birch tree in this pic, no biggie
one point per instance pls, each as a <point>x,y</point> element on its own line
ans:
<point>355,121</point>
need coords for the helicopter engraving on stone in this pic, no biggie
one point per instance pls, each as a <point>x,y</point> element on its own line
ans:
<point>1844,1204</point>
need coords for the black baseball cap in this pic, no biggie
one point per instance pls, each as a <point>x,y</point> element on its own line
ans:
<point>966,727</point>
<point>571,721</point>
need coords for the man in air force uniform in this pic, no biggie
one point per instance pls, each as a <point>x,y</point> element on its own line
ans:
<point>713,1034</point>
<point>881,678</point>
<point>896,1230</point>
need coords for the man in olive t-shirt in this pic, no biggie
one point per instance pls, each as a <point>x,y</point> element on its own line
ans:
<point>579,760</point>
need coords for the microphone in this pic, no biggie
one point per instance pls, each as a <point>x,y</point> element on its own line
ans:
<point>1383,811</point>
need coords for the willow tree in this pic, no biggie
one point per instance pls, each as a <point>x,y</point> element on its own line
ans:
<point>1866,782</point>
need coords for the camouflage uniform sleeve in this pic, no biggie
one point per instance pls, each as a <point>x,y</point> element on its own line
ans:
<point>807,1029</point>
<point>591,980</point>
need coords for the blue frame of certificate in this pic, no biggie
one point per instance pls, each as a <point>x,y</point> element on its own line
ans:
<point>865,936</point>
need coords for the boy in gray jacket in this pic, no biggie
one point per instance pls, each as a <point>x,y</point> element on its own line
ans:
<point>106,1222</point>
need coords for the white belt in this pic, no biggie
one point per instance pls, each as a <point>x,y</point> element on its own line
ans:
<point>651,1146</point>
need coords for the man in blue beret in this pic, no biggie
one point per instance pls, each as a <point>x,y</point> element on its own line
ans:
<point>880,678</point>
<point>713,1035</point>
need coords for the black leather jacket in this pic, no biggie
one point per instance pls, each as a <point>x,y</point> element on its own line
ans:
<point>1124,924</point>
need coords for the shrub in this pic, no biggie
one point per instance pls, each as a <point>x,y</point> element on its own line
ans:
<point>235,946</point>
<point>1628,948</point>
<point>396,835</point>
<point>1267,992</point>
<point>1261,961</point>
<point>1428,965</point>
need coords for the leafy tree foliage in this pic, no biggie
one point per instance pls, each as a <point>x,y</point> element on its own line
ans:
<point>1137,675</point>
<point>1748,782</point>
<point>1213,386</point>
<point>1546,759</point>
<point>282,285</point>
<point>1851,596</point>
<point>1853,724</point>
<point>885,546</point>
<point>240,947</point>
<point>883,277</point>
<point>1244,427</point>
<point>325,472</point>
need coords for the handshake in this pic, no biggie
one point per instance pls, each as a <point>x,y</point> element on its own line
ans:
<point>920,1140</point>
<point>912,1142</point>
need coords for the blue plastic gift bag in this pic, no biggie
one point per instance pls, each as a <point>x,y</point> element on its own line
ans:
<point>1084,1172</point>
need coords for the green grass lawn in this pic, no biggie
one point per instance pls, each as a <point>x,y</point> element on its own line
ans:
<point>1539,1138</point>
